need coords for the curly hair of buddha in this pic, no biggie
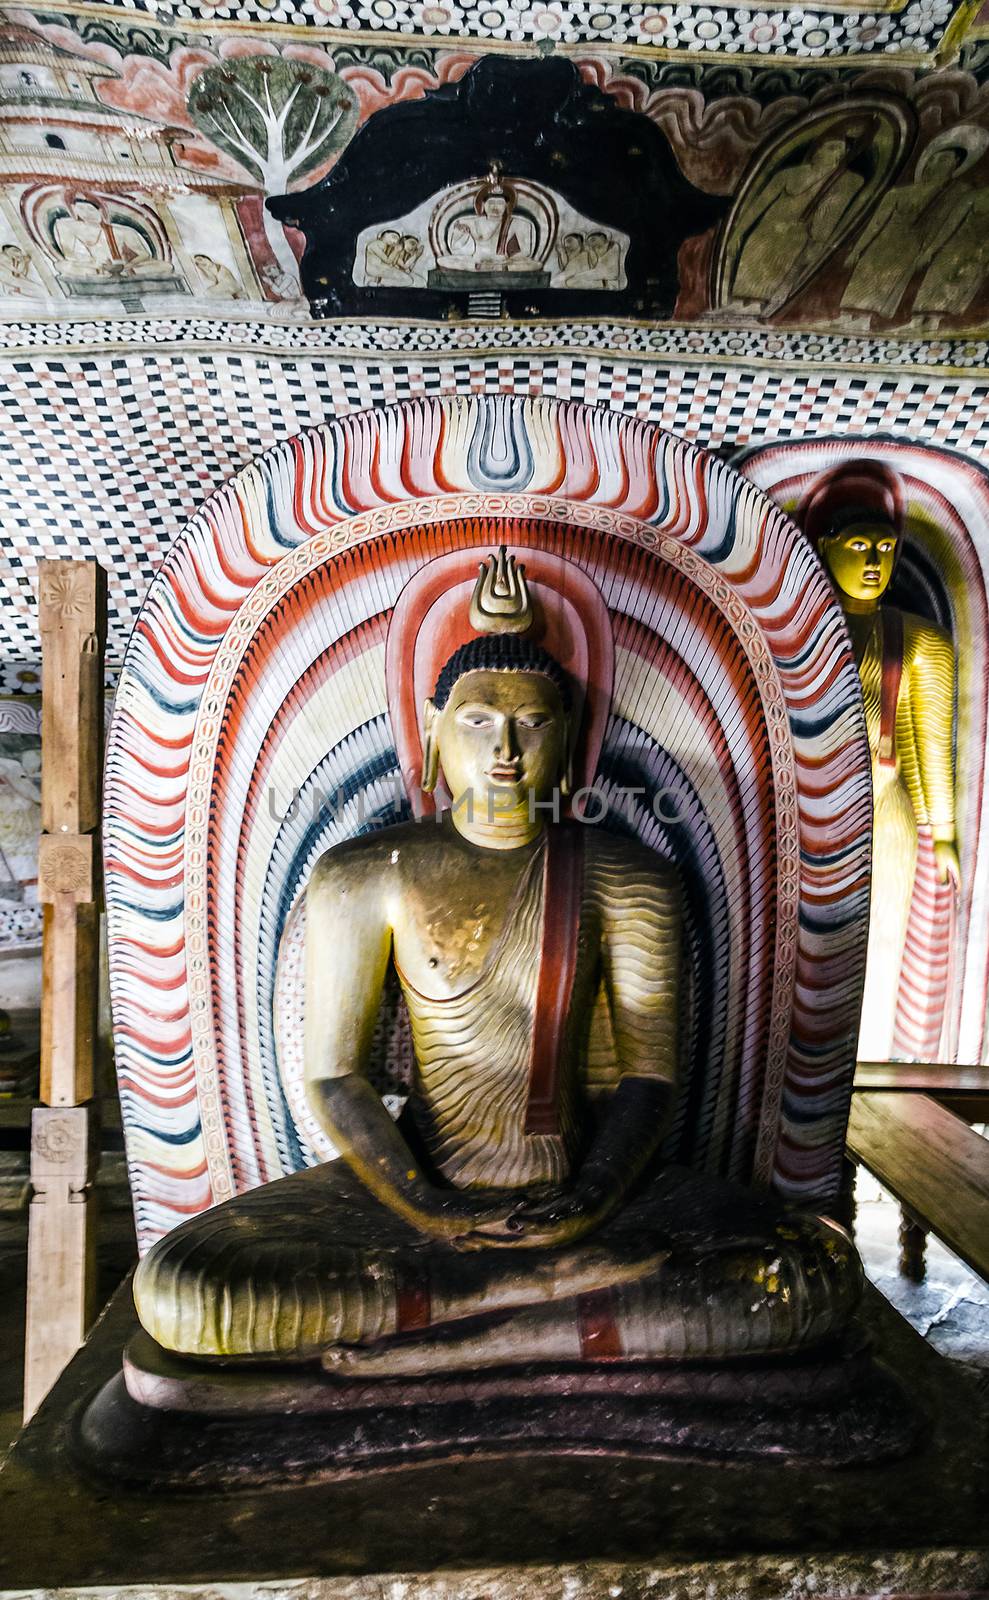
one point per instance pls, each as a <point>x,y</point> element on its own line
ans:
<point>500,652</point>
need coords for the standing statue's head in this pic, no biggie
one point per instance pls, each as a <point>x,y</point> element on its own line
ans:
<point>853,515</point>
<point>498,722</point>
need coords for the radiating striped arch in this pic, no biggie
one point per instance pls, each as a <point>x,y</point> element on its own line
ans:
<point>251,731</point>
<point>944,985</point>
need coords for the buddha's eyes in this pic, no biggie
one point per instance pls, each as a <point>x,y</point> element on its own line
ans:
<point>885,547</point>
<point>858,545</point>
<point>484,719</point>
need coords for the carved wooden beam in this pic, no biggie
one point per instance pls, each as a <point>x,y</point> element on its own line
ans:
<point>72,606</point>
<point>61,1253</point>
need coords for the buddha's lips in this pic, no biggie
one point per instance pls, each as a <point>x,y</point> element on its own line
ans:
<point>503,774</point>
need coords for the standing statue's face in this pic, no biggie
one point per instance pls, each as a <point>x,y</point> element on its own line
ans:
<point>503,735</point>
<point>860,559</point>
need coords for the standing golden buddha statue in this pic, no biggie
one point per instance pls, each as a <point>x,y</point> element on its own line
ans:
<point>854,517</point>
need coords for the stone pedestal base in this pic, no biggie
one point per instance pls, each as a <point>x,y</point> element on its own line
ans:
<point>513,1527</point>
<point>165,1423</point>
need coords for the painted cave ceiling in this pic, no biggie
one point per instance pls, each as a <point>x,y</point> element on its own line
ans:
<point>689,164</point>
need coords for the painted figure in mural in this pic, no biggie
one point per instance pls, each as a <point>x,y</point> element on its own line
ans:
<point>217,279</point>
<point>589,261</point>
<point>854,517</point>
<point>91,244</point>
<point>20,819</point>
<point>912,224</point>
<point>958,265</point>
<point>472,1234</point>
<point>390,259</point>
<point>496,238</point>
<point>17,273</point>
<point>793,221</point>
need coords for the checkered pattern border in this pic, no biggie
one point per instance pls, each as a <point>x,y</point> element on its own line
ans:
<point>110,455</point>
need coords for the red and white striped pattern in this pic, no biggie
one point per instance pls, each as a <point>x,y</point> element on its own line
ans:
<point>257,670</point>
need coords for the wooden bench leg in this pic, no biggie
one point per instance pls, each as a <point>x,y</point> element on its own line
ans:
<point>913,1245</point>
<point>843,1208</point>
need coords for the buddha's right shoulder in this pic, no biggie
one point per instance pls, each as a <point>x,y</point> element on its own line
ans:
<point>362,862</point>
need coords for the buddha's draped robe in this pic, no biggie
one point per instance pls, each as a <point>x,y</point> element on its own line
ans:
<point>689,1268</point>
<point>912,786</point>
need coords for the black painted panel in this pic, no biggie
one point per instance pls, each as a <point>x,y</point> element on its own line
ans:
<point>535,120</point>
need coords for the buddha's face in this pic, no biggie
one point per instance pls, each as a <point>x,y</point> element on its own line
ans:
<point>860,559</point>
<point>502,735</point>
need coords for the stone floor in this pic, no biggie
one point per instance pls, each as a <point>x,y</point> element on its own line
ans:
<point>950,1309</point>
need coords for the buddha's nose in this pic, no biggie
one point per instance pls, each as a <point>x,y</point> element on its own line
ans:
<point>508,745</point>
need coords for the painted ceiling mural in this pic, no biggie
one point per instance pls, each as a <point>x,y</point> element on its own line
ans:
<point>812,173</point>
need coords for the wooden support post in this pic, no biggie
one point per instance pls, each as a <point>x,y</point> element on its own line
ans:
<point>843,1209</point>
<point>913,1248</point>
<point>72,608</point>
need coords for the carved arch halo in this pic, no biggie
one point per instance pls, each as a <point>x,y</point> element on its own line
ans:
<point>258,664</point>
<point>944,985</point>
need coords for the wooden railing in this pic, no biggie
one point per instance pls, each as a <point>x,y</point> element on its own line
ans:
<point>909,1125</point>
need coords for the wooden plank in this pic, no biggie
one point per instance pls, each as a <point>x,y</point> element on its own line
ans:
<point>72,621</point>
<point>60,1305</point>
<point>970,1107</point>
<point>935,1078</point>
<point>61,1245</point>
<point>932,1162</point>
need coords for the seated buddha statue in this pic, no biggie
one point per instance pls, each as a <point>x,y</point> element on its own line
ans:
<point>514,1214</point>
<point>854,517</point>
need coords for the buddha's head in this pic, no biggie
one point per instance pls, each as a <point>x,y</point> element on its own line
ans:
<point>498,724</point>
<point>85,210</point>
<point>854,517</point>
<point>860,558</point>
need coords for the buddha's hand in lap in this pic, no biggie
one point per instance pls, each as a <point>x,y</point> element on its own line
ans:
<point>455,1215</point>
<point>556,1216</point>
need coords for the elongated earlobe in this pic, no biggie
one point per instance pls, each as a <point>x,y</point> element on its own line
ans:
<point>430,749</point>
<point>566,776</point>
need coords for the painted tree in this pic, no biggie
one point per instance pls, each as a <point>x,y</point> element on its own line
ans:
<point>280,119</point>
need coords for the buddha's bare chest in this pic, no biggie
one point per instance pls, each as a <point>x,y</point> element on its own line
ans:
<point>452,922</point>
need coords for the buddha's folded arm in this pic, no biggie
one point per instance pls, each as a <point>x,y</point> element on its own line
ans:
<point>349,940</point>
<point>473,1047</point>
